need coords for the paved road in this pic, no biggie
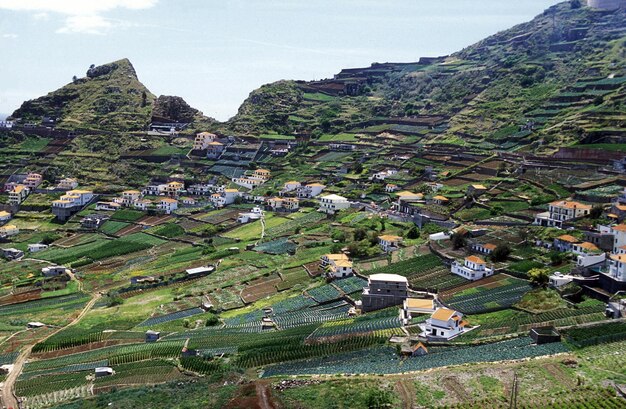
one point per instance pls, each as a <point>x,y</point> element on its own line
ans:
<point>8,398</point>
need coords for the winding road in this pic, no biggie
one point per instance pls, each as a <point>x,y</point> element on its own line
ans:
<point>8,397</point>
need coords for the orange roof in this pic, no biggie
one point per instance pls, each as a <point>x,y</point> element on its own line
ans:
<point>612,216</point>
<point>441,198</point>
<point>131,192</point>
<point>619,227</point>
<point>336,256</point>
<point>419,345</point>
<point>407,193</point>
<point>419,303</point>
<point>343,263</point>
<point>620,207</point>
<point>570,205</point>
<point>316,184</point>
<point>479,187</point>
<point>18,188</point>
<point>475,260</point>
<point>215,143</point>
<point>619,257</point>
<point>588,246</point>
<point>443,314</point>
<point>168,200</point>
<point>389,237</point>
<point>490,246</point>
<point>569,239</point>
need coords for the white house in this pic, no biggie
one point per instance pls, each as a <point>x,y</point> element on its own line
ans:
<point>617,267</point>
<point>167,205</point>
<point>474,268</point>
<point>337,265</point>
<point>310,190</point>
<point>226,197</point>
<point>73,198</point>
<point>255,214</point>
<point>389,243</point>
<point>331,204</point>
<point>327,259</point>
<point>108,206</point>
<point>18,194</point>
<point>390,187</point>
<point>560,211</point>
<point>383,175</point>
<point>67,184</point>
<point>619,234</point>
<point>34,248</point>
<point>444,323</point>
<point>409,196</point>
<point>33,180</point>
<point>5,216</point>
<point>202,140</point>
<point>291,186</point>
<point>9,230</point>
<point>54,271</point>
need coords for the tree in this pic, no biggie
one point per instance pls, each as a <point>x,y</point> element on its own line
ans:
<point>413,233</point>
<point>458,241</point>
<point>575,4</point>
<point>360,234</point>
<point>212,320</point>
<point>357,168</point>
<point>144,99</point>
<point>539,276</point>
<point>74,79</point>
<point>596,212</point>
<point>501,252</point>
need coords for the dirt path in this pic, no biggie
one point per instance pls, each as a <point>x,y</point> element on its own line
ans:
<point>264,396</point>
<point>406,395</point>
<point>8,397</point>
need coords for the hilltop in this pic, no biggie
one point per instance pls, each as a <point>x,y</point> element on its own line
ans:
<point>109,97</point>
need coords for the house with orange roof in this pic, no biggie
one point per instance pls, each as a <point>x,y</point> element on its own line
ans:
<point>473,268</point>
<point>390,187</point>
<point>588,255</point>
<point>418,349</point>
<point>484,248</point>
<point>565,243</point>
<point>202,140</point>
<point>561,211</point>
<point>291,186</point>
<point>167,205</point>
<point>414,306</point>
<point>389,243</point>
<point>18,194</point>
<point>617,269</point>
<point>214,150</point>
<point>475,190</point>
<point>619,236</point>
<point>4,216</point>
<point>444,324</point>
<point>440,200</point>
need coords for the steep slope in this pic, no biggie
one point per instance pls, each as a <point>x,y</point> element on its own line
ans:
<point>538,85</point>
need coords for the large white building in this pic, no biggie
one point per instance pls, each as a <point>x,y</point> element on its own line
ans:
<point>333,203</point>
<point>474,268</point>
<point>310,190</point>
<point>202,141</point>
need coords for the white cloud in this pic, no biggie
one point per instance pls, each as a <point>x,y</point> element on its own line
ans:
<point>10,35</point>
<point>81,16</point>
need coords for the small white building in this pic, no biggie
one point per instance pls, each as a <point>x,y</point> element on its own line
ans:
<point>560,211</point>
<point>5,216</point>
<point>331,204</point>
<point>474,268</point>
<point>108,206</point>
<point>202,140</point>
<point>255,214</point>
<point>444,323</point>
<point>559,279</point>
<point>291,186</point>
<point>340,268</point>
<point>9,230</point>
<point>34,248</point>
<point>54,271</point>
<point>67,184</point>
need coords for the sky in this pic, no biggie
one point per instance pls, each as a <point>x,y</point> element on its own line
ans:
<point>213,53</point>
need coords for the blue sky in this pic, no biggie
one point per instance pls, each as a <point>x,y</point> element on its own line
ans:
<point>214,52</point>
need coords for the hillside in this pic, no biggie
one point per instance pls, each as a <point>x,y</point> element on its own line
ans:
<point>553,81</point>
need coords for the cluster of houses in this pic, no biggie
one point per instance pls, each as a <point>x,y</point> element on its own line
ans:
<point>20,186</point>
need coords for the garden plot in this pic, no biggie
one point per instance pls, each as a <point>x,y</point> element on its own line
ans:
<point>260,288</point>
<point>385,360</point>
<point>170,317</point>
<point>494,293</point>
<point>292,277</point>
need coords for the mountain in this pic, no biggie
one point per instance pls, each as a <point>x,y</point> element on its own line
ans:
<point>109,97</point>
<point>556,80</point>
